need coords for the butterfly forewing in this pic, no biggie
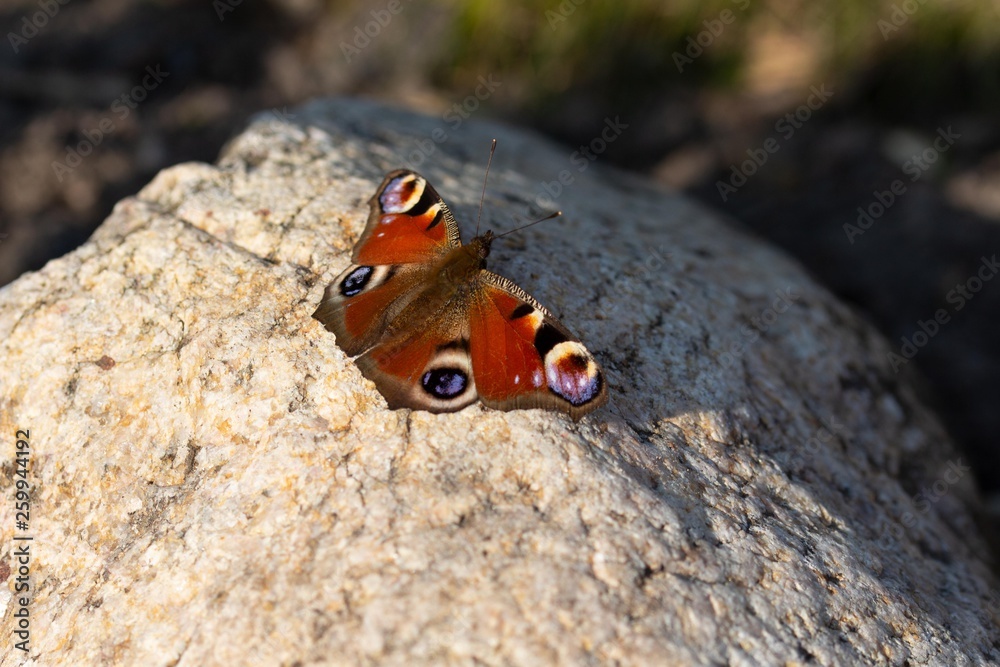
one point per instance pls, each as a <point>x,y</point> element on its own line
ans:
<point>408,223</point>
<point>360,305</point>
<point>522,357</point>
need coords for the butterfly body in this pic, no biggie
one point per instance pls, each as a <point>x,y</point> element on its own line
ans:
<point>435,330</point>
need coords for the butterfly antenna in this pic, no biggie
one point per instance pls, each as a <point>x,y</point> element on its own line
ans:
<point>493,148</point>
<point>517,229</point>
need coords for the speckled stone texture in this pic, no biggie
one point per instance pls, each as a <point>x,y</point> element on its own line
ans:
<point>215,483</point>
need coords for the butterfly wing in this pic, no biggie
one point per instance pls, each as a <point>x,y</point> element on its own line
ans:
<point>428,369</point>
<point>408,223</point>
<point>522,357</point>
<point>361,304</point>
<point>409,227</point>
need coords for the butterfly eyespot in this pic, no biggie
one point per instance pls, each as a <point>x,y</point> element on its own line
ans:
<point>445,383</point>
<point>356,281</point>
<point>572,373</point>
<point>402,193</point>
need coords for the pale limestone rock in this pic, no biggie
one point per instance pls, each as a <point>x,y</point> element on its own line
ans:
<point>215,483</point>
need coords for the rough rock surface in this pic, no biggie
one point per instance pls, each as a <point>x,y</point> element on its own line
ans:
<point>214,482</point>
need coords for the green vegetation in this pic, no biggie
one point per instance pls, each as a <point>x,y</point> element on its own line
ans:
<point>625,49</point>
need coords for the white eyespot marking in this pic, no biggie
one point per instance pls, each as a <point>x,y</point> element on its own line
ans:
<point>517,379</point>
<point>536,378</point>
<point>572,373</point>
<point>435,213</point>
<point>402,193</point>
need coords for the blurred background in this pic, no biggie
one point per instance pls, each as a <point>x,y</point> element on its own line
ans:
<point>863,137</point>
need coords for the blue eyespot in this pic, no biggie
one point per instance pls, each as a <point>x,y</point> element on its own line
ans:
<point>445,383</point>
<point>356,281</point>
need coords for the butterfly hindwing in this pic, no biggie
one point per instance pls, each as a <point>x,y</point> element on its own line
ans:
<point>428,370</point>
<point>522,357</point>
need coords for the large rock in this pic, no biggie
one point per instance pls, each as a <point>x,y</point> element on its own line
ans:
<point>214,482</point>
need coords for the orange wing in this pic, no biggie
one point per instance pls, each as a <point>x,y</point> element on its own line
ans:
<point>363,301</point>
<point>427,370</point>
<point>408,223</point>
<point>522,357</point>
<point>409,226</point>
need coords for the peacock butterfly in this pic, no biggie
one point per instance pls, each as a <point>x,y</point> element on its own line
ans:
<point>436,330</point>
